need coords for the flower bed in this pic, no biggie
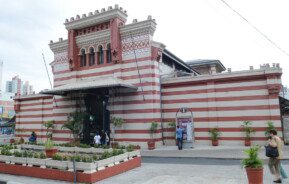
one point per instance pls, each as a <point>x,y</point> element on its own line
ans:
<point>94,159</point>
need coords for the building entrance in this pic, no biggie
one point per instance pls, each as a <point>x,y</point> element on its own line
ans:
<point>97,119</point>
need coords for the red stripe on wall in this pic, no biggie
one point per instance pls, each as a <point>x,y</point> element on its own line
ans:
<point>231,108</point>
<point>221,80</point>
<point>237,98</point>
<point>135,111</point>
<point>145,101</point>
<point>199,91</point>
<point>33,104</point>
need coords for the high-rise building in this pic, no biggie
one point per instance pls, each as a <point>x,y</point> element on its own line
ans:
<point>27,89</point>
<point>16,86</point>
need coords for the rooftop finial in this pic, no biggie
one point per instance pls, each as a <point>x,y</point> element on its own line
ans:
<point>77,17</point>
<point>96,12</point>
<point>90,14</point>
<point>60,39</point>
<point>72,19</point>
<point>51,41</point>
<point>134,21</point>
<point>149,17</point>
<point>102,10</point>
<point>121,8</point>
<point>116,6</point>
<point>83,15</point>
<point>66,20</point>
<point>109,8</point>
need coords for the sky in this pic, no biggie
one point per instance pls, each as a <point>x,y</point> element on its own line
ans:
<point>191,29</point>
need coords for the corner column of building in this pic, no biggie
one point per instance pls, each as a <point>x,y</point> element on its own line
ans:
<point>72,49</point>
<point>115,40</point>
<point>104,56</point>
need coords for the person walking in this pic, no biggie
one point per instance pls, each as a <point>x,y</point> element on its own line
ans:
<point>179,135</point>
<point>274,162</point>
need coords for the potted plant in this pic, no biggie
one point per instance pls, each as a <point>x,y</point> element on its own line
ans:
<point>270,126</point>
<point>116,122</point>
<point>74,123</point>
<point>253,165</point>
<point>49,148</point>
<point>152,131</point>
<point>49,125</point>
<point>248,132</point>
<point>215,135</point>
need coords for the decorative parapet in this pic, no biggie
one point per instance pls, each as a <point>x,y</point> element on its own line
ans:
<point>264,70</point>
<point>60,46</point>
<point>96,18</point>
<point>143,27</point>
<point>92,38</point>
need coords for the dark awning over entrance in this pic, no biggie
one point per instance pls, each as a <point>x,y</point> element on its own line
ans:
<point>97,83</point>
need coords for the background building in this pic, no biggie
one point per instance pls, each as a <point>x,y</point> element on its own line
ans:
<point>16,86</point>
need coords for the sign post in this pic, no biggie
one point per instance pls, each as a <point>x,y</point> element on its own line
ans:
<point>184,119</point>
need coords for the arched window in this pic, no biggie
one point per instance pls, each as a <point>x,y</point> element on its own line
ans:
<point>82,58</point>
<point>108,53</point>
<point>91,56</point>
<point>100,55</point>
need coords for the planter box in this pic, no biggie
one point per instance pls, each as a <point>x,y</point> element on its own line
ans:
<point>101,164</point>
<point>18,160</point>
<point>134,154</point>
<point>82,150</point>
<point>66,149</point>
<point>83,166</point>
<point>4,158</point>
<point>121,157</point>
<point>56,164</point>
<point>36,161</point>
<point>97,151</point>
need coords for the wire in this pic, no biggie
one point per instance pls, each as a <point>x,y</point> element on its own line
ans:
<point>256,29</point>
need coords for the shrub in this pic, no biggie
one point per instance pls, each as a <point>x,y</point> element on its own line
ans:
<point>105,155</point>
<point>57,157</point>
<point>253,161</point>
<point>114,152</point>
<point>42,155</point>
<point>29,154</point>
<point>248,129</point>
<point>36,155</point>
<point>25,154</point>
<point>17,154</point>
<point>270,126</point>
<point>130,148</point>
<point>214,133</point>
<point>120,151</point>
<point>49,144</point>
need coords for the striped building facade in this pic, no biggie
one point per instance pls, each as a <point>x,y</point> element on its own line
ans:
<point>105,58</point>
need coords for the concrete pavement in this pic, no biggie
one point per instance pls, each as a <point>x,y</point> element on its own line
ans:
<point>201,151</point>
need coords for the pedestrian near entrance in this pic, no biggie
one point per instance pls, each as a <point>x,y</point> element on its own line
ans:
<point>275,162</point>
<point>179,135</point>
<point>97,139</point>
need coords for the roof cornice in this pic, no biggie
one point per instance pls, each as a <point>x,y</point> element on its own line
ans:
<point>148,26</point>
<point>96,18</point>
<point>59,46</point>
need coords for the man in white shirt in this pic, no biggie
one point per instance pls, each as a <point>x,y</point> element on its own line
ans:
<point>96,139</point>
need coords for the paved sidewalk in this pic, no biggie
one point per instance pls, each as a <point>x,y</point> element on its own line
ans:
<point>200,151</point>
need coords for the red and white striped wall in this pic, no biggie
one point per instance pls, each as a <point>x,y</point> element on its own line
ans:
<point>225,101</point>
